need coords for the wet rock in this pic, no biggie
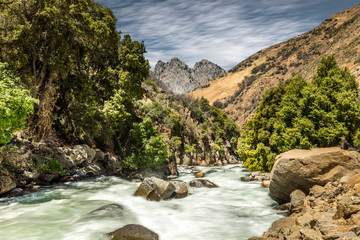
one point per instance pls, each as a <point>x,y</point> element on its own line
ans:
<point>256,176</point>
<point>181,189</point>
<point>202,183</point>
<point>302,169</point>
<point>152,173</point>
<point>7,181</point>
<point>200,175</point>
<point>112,210</point>
<point>155,189</point>
<point>246,179</point>
<point>145,188</point>
<point>163,188</point>
<point>16,192</point>
<point>133,232</point>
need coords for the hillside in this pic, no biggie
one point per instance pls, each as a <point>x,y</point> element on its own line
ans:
<point>239,91</point>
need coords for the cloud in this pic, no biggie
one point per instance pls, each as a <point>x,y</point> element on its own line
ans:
<point>222,31</point>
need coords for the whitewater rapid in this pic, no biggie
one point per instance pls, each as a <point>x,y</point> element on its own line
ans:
<point>236,210</point>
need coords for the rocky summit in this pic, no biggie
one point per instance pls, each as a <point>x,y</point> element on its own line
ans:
<point>181,79</point>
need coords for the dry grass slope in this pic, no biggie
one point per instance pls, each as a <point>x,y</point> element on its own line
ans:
<point>240,89</point>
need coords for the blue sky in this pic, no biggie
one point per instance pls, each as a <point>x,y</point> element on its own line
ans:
<point>222,31</point>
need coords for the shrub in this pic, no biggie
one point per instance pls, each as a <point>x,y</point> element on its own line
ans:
<point>148,148</point>
<point>15,103</point>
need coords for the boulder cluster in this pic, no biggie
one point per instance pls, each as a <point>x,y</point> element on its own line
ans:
<point>155,189</point>
<point>37,164</point>
<point>320,189</point>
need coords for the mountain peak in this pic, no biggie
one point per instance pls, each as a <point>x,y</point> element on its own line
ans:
<point>182,79</point>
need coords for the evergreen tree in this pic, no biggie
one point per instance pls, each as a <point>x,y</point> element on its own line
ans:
<point>298,114</point>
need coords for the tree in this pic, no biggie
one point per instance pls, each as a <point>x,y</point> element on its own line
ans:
<point>148,147</point>
<point>71,57</point>
<point>15,104</point>
<point>298,114</point>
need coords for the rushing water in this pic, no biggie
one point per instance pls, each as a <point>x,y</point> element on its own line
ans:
<point>235,210</point>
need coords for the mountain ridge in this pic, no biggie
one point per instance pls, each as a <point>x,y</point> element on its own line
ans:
<point>181,79</point>
<point>239,91</point>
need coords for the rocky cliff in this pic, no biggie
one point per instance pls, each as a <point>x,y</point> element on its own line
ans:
<point>181,79</point>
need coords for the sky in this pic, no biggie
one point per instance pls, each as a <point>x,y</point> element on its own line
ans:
<point>222,31</point>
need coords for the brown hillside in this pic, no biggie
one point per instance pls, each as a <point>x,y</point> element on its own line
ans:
<point>240,90</point>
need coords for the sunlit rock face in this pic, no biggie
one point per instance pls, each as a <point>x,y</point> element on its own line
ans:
<point>182,79</point>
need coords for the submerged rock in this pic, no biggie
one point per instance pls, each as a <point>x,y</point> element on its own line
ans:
<point>133,232</point>
<point>110,210</point>
<point>202,183</point>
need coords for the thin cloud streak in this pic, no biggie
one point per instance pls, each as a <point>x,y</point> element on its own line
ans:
<point>222,31</point>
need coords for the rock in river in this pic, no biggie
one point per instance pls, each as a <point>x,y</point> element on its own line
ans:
<point>155,189</point>
<point>133,232</point>
<point>199,183</point>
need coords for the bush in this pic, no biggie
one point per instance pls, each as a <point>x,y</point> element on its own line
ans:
<point>50,166</point>
<point>15,104</point>
<point>148,148</point>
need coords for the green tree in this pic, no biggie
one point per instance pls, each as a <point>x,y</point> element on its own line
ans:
<point>148,147</point>
<point>71,57</point>
<point>15,104</point>
<point>298,114</point>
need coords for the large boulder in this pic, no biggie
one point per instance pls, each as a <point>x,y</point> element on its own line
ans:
<point>7,181</point>
<point>156,189</point>
<point>133,232</point>
<point>302,169</point>
<point>164,188</point>
<point>147,190</point>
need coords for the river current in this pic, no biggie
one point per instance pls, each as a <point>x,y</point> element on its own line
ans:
<point>236,210</point>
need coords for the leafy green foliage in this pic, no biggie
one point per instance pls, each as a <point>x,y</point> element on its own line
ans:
<point>298,114</point>
<point>15,104</point>
<point>148,148</point>
<point>73,60</point>
<point>50,166</point>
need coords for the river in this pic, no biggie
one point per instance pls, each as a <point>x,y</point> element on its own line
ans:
<point>234,211</point>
